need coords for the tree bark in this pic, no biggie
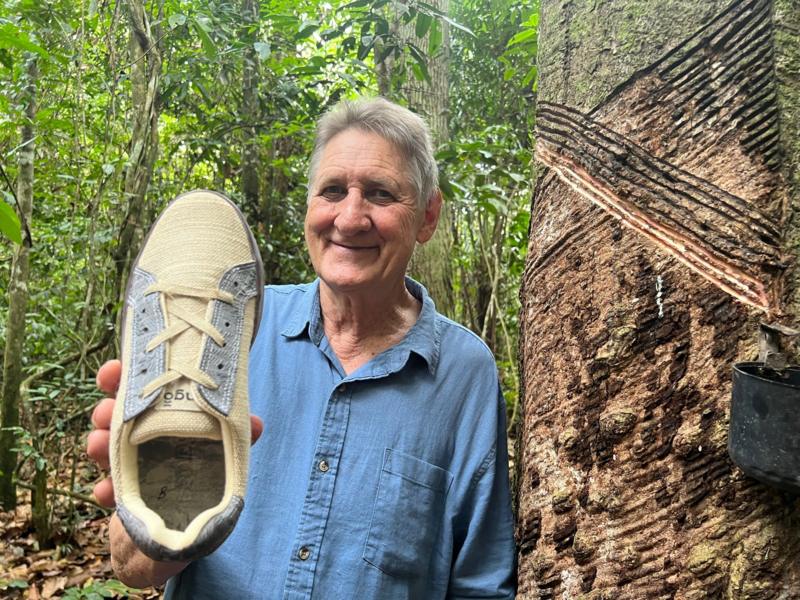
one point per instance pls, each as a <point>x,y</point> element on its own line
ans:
<point>17,297</point>
<point>656,246</point>
<point>432,262</point>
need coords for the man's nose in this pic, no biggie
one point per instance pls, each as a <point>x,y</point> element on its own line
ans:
<point>353,215</point>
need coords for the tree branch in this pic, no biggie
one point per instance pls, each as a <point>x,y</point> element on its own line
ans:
<point>75,495</point>
<point>26,383</point>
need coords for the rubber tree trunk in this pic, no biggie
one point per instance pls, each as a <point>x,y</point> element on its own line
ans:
<point>662,228</point>
<point>17,297</point>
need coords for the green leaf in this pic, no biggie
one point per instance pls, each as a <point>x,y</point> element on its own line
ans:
<point>385,52</point>
<point>176,20</point>
<point>523,36</point>
<point>209,47</point>
<point>13,583</point>
<point>533,20</point>
<point>423,25</point>
<point>489,205</point>
<point>282,21</point>
<point>381,26</point>
<point>306,29</point>
<point>435,38</point>
<point>364,46</point>
<point>5,58</point>
<point>445,186</point>
<point>409,15</point>
<point>11,37</point>
<point>262,49</point>
<point>445,155</point>
<point>420,64</point>
<point>9,223</point>
<point>331,33</point>
<point>435,11</point>
<point>420,72</point>
<point>357,4</point>
<point>530,77</point>
<point>203,92</point>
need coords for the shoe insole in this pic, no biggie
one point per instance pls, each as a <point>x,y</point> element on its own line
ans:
<point>181,477</point>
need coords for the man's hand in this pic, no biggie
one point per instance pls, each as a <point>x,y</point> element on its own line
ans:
<point>131,566</point>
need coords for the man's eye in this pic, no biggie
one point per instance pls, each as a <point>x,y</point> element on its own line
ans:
<point>379,195</point>
<point>334,192</point>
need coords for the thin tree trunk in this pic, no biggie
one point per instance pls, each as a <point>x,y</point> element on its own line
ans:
<point>670,133</point>
<point>145,65</point>
<point>274,192</point>
<point>431,262</point>
<point>17,298</point>
<point>40,507</point>
<point>250,109</point>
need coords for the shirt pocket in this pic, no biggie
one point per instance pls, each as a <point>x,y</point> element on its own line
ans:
<point>407,514</point>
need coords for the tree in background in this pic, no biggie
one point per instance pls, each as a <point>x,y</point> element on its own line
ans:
<point>10,399</point>
<point>144,52</point>
<point>424,85</point>
<point>659,228</point>
<point>486,167</point>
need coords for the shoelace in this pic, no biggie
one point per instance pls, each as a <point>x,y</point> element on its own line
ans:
<point>182,320</point>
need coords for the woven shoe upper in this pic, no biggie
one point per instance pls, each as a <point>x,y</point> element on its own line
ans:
<point>190,315</point>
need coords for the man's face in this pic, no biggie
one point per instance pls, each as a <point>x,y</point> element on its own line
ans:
<point>362,220</point>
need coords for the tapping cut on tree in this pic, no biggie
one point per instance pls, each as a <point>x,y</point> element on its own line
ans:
<point>660,235</point>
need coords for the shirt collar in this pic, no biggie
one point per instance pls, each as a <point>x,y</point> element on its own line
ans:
<point>422,339</point>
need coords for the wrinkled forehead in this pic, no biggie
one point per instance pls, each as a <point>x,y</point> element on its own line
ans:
<point>356,140</point>
<point>358,131</point>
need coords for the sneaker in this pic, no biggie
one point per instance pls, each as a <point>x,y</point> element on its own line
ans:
<point>180,434</point>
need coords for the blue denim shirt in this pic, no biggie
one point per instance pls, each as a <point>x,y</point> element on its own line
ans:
<point>388,483</point>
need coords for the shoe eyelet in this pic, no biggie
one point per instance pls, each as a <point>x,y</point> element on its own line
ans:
<point>227,324</point>
<point>220,366</point>
<point>145,329</point>
<point>235,284</point>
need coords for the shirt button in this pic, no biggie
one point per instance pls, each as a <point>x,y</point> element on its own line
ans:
<point>323,466</point>
<point>304,553</point>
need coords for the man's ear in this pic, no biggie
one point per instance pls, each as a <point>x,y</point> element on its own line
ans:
<point>431,218</point>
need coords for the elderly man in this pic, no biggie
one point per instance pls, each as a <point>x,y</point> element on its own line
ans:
<point>383,472</point>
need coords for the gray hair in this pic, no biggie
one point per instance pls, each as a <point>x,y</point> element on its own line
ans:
<point>399,126</point>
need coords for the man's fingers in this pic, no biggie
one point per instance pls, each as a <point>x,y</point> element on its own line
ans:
<point>104,492</point>
<point>101,416</point>
<point>256,428</point>
<point>97,447</point>
<point>108,376</point>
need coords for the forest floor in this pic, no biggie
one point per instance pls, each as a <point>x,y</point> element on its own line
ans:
<point>77,568</point>
<point>78,565</point>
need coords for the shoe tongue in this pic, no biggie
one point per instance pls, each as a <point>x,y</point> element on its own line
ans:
<point>175,414</point>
